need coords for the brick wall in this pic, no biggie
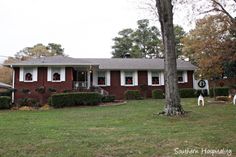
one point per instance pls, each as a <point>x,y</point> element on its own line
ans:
<point>118,91</point>
<point>115,88</point>
<point>42,81</point>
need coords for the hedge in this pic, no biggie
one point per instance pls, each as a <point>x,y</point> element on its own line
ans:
<point>133,95</point>
<point>75,99</point>
<point>109,98</point>
<point>158,94</point>
<point>31,102</point>
<point>223,91</point>
<point>187,93</point>
<point>5,102</point>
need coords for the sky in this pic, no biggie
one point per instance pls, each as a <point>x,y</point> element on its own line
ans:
<point>84,28</point>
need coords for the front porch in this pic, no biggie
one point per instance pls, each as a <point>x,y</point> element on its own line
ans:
<point>83,80</point>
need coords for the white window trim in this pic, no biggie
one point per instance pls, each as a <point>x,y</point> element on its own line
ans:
<point>134,75</point>
<point>62,74</point>
<point>34,75</point>
<point>161,78</point>
<point>185,77</point>
<point>107,78</point>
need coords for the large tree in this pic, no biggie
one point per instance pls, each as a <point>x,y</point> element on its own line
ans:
<point>146,40</point>
<point>40,50</point>
<point>172,98</point>
<point>142,42</point>
<point>123,44</point>
<point>209,45</point>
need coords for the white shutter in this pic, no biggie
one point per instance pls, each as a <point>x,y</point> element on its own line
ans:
<point>21,74</point>
<point>162,78</point>
<point>63,74</point>
<point>95,78</point>
<point>49,74</point>
<point>35,74</point>
<point>122,78</point>
<point>135,77</point>
<point>149,78</point>
<point>185,76</point>
<point>108,78</point>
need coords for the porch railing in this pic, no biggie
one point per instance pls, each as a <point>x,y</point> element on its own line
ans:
<point>83,86</point>
<point>80,84</point>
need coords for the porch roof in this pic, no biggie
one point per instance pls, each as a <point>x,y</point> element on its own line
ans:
<point>104,63</point>
<point>4,85</point>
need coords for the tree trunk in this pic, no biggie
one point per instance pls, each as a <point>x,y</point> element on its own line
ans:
<point>172,106</point>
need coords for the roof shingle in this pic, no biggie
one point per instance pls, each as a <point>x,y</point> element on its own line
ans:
<point>105,63</point>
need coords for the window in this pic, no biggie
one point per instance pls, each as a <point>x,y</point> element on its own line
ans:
<point>180,76</point>
<point>56,74</point>
<point>56,77</point>
<point>128,78</point>
<point>155,78</point>
<point>101,78</point>
<point>28,74</point>
<point>28,77</point>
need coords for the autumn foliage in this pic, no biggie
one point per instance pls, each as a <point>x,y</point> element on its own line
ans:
<point>210,45</point>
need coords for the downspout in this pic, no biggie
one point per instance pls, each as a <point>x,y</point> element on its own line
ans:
<point>13,85</point>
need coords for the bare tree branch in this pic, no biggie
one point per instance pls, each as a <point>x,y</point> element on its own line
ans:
<point>223,10</point>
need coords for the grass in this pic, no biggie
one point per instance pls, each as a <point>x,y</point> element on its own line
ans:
<point>127,130</point>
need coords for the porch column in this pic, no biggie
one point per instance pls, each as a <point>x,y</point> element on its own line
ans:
<point>88,79</point>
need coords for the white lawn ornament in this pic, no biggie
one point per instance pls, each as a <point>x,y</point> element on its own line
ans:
<point>200,100</point>
<point>234,100</point>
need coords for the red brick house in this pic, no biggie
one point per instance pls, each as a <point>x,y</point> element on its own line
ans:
<point>112,75</point>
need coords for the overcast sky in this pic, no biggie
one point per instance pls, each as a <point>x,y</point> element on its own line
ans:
<point>84,28</point>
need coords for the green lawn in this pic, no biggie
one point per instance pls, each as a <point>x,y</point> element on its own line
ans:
<point>125,130</point>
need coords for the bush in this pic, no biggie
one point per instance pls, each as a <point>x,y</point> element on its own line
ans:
<point>75,99</point>
<point>158,94</point>
<point>7,92</point>
<point>133,95</point>
<point>50,101</point>
<point>109,98</point>
<point>187,93</point>
<point>223,91</point>
<point>31,102</point>
<point>5,102</point>
<point>40,90</point>
<point>25,91</point>
<point>51,89</point>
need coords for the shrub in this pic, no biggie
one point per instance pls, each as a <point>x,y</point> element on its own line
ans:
<point>50,101</point>
<point>187,93</point>
<point>7,92</point>
<point>67,91</point>
<point>223,91</point>
<point>74,99</point>
<point>5,102</point>
<point>40,90</point>
<point>158,94</point>
<point>133,95</point>
<point>25,91</point>
<point>31,102</point>
<point>51,89</point>
<point>109,98</point>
